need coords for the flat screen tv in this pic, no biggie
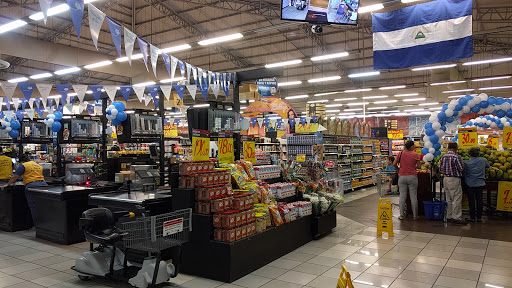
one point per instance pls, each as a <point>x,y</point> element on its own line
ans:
<point>342,12</point>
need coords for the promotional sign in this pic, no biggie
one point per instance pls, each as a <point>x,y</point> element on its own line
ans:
<point>269,104</point>
<point>267,86</point>
<point>178,101</point>
<point>249,150</point>
<point>493,140</point>
<point>170,131</point>
<point>507,137</point>
<point>468,138</point>
<point>395,134</point>
<point>200,145</point>
<point>225,145</point>
<point>307,128</point>
<point>301,158</point>
<point>504,196</point>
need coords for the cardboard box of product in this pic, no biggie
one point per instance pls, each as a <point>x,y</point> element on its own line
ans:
<point>119,178</point>
<point>128,175</point>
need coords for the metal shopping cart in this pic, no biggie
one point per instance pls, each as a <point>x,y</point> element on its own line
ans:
<point>382,179</point>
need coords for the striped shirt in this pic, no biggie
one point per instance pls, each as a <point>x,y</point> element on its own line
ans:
<point>451,165</point>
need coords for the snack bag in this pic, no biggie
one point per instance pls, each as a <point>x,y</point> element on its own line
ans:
<point>249,169</point>
<point>276,216</point>
<point>238,179</point>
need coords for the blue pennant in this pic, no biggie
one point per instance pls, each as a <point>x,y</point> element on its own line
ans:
<point>253,121</point>
<point>115,31</point>
<point>40,112</point>
<point>7,104</point>
<point>63,90</point>
<point>180,89</point>
<point>167,61</point>
<point>177,122</point>
<point>23,103</point>
<point>266,121</point>
<point>279,121</point>
<point>96,91</point>
<point>27,89</point>
<point>204,90</point>
<point>303,121</point>
<point>314,119</point>
<point>19,114</point>
<point>90,108</point>
<point>182,68</point>
<point>76,10</point>
<point>126,91</point>
<point>292,122</point>
<point>38,102</point>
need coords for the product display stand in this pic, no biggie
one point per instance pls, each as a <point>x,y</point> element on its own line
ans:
<point>323,224</point>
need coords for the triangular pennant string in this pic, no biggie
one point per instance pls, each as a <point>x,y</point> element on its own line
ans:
<point>76,11</point>
<point>96,18</point>
<point>80,91</point>
<point>126,91</point>
<point>129,42</point>
<point>115,31</point>
<point>192,89</point>
<point>9,89</point>
<point>166,90</point>
<point>139,91</point>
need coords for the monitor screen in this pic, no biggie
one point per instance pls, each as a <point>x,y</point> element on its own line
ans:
<point>342,12</point>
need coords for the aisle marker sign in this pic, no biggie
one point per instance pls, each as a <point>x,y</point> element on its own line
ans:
<point>385,214</point>
<point>492,141</point>
<point>200,145</point>
<point>504,202</point>
<point>395,134</point>
<point>226,150</point>
<point>468,137</point>
<point>507,137</point>
<point>249,151</point>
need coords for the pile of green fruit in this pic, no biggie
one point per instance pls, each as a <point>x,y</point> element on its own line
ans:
<point>501,164</point>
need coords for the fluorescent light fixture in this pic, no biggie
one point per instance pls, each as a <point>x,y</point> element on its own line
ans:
<point>358,90</point>
<point>409,1</point>
<point>296,97</point>
<point>345,99</point>
<point>414,110</point>
<point>429,103</point>
<point>375,97</point>
<point>460,90</point>
<point>88,92</point>
<point>52,11</point>
<point>134,57</point>
<point>422,113</point>
<point>434,67</point>
<point>12,25</point>
<point>16,80</point>
<point>54,96</point>
<point>241,108</point>
<point>371,8</point>
<point>325,94</point>
<point>407,95</point>
<point>329,56</point>
<point>385,101</point>
<point>349,113</point>
<point>230,108</point>
<point>363,74</point>
<point>435,108</point>
<point>220,39</point>
<point>176,79</point>
<point>41,76</point>
<point>376,108</point>
<point>99,64</point>
<point>448,83</point>
<point>175,48</point>
<point>332,111</point>
<point>206,105</point>
<point>491,78</point>
<point>250,101</point>
<point>289,83</point>
<point>333,105</point>
<point>495,88</point>
<point>413,99</point>
<point>181,116</point>
<point>493,286</point>
<point>144,84</point>
<point>284,63</point>
<point>72,94</point>
<point>358,104</point>
<point>391,111</point>
<point>392,87</point>
<point>330,78</point>
<point>67,70</point>
<point>317,101</point>
<point>353,109</point>
<point>400,114</point>
<point>457,96</point>
<point>488,61</point>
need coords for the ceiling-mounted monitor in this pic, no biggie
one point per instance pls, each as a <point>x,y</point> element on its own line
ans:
<point>342,12</point>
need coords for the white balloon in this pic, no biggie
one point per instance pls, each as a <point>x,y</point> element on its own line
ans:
<point>448,112</point>
<point>50,121</point>
<point>477,100</point>
<point>482,111</point>
<point>483,96</point>
<point>489,109</point>
<point>503,120</point>
<point>440,133</point>
<point>429,144</point>
<point>466,109</point>
<point>454,103</point>
<point>429,157</point>
<point>426,138</point>
<point>8,129</point>
<point>114,112</point>
<point>433,119</point>
<point>109,130</point>
<point>110,107</point>
<point>497,107</point>
<point>51,116</point>
<point>505,106</point>
<point>436,125</point>
<point>451,107</point>
<point>432,150</point>
<point>109,117</point>
<point>4,123</point>
<point>494,125</point>
<point>471,103</point>
<point>507,124</point>
<point>7,124</point>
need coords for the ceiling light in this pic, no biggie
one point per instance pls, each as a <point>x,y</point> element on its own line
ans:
<point>413,99</point>
<point>407,95</point>
<point>12,25</point>
<point>487,61</point>
<point>392,87</point>
<point>317,101</point>
<point>54,96</point>
<point>422,113</point>
<point>52,11</point>
<point>176,79</point>
<point>413,110</point>
<point>16,80</point>
<point>358,90</point>
<point>435,108</point>
<point>493,286</point>
<point>296,97</point>
<point>72,94</point>
<point>230,108</point>
<point>375,97</point>
<point>354,109</point>
<point>391,111</point>
<point>491,78</point>
<point>358,103</point>
<point>207,105</point>
<point>363,74</point>
<point>370,8</point>
<point>333,105</point>
<point>289,83</point>
<point>220,39</point>
<point>67,70</point>
<point>175,48</point>
<point>385,101</point>
<point>349,113</point>
<point>41,76</point>
<point>250,101</point>
<point>330,78</point>
<point>241,108</point>
<point>332,111</point>
<point>325,94</point>
<point>400,114</point>
<point>144,84</point>
<point>434,67</point>
<point>329,56</point>
<point>429,104</point>
<point>448,83</point>
<point>88,92</point>
<point>495,88</point>
<point>409,1</point>
<point>345,99</point>
<point>134,57</point>
<point>457,96</point>
<point>460,90</point>
<point>376,108</point>
<point>99,64</point>
<point>284,63</point>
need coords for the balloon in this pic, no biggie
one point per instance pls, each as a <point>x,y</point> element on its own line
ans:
<point>15,125</point>
<point>489,109</point>
<point>434,138</point>
<point>458,107</point>
<point>501,125</point>
<point>455,113</point>
<point>426,138</point>
<point>463,101</point>
<point>425,150</point>
<point>483,96</point>
<point>451,106</point>
<point>119,106</point>
<point>8,129</point>
<point>493,125</point>
<point>429,144</point>
<point>503,120</point>
<point>114,112</point>
<point>506,106</point>
<point>14,133</point>
<point>121,116</point>
<point>491,100</point>
<point>116,122</point>
<point>429,157</point>
<point>109,112</point>
<point>449,120</point>
<point>56,126</point>
<point>440,133</point>
<point>51,121</point>
<point>509,113</point>
<point>109,117</point>
<point>443,128</point>
<point>110,107</point>
<point>441,116</point>
<point>507,124</point>
<point>51,116</point>
<point>58,115</point>
<point>437,153</point>
<point>475,109</point>
<point>448,112</point>
<point>430,132</point>
<point>436,126</point>
<point>471,103</point>
<point>469,123</point>
<point>500,113</point>
<point>7,124</point>
<point>109,130</point>
<point>466,109</point>
<point>484,104</point>
<point>444,107</point>
<point>428,125</point>
<point>499,101</point>
<point>437,146</point>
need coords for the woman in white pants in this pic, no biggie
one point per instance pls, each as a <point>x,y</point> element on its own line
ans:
<point>407,162</point>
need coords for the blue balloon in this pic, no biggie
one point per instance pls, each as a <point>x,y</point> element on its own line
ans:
<point>119,106</point>
<point>475,109</point>
<point>434,138</point>
<point>109,112</point>
<point>441,116</point>
<point>469,123</point>
<point>465,125</point>
<point>443,128</point>
<point>58,115</point>
<point>484,104</point>
<point>499,101</point>
<point>14,133</point>
<point>468,97</point>
<point>488,117</point>
<point>509,113</point>
<point>501,126</point>
<point>116,122</point>
<point>56,126</point>
<point>424,151</point>
<point>437,153</point>
<point>449,119</point>
<point>463,101</point>
<point>487,126</point>
<point>501,113</point>
<point>445,106</point>
<point>430,132</point>
<point>428,125</point>
<point>458,107</point>
<point>491,100</point>
<point>455,113</point>
<point>15,125</point>
<point>121,116</point>
<point>437,146</point>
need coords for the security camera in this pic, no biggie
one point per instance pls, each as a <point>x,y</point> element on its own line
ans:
<point>317,29</point>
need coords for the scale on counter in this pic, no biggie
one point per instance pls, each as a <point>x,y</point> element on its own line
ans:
<point>82,176</point>
<point>146,177</point>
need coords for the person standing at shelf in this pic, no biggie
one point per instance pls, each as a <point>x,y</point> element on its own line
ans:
<point>451,167</point>
<point>406,163</point>
<point>5,166</point>
<point>474,175</point>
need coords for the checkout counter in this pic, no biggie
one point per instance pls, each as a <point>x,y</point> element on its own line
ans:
<point>14,211</point>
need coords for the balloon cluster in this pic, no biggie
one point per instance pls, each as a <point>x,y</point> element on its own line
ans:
<point>53,120</point>
<point>12,127</point>
<point>435,129</point>
<point>115,113</point>
<point>488,121</point>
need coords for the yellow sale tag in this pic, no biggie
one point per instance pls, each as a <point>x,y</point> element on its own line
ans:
<point>249,151</point>
<point>226,152</point>
<point>468,139</point>
<point>307,128</point>
<point>200,148</point>
<point>507,137</point>
<point>395,134</point>
<point>504,196</point>
<point>178,102</point>
<point>301,158</point>
<point>492,141</point>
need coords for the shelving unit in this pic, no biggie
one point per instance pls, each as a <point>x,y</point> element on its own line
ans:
<point>397,146</point>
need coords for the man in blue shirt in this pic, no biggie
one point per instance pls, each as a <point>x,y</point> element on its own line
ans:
<point>474,174</point>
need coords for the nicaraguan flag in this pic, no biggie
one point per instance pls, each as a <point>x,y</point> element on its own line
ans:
<point>422,34</point>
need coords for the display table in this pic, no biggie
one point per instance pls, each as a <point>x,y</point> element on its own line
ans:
<point>14,211</point>
<point>157,202</point>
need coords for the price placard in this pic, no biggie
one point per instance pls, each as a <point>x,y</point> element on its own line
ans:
<point>301,158</point>
<point>225,144</point>
<point>507,137</point>
<point>468,139</point>
<point>200,145</point>
<point>249,151</point>
<point>307,128</point>
<point>395,134</point>
<point>492,141</point>
<point>504,196</point>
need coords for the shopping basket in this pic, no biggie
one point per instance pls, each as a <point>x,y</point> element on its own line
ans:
<point>434,210</point>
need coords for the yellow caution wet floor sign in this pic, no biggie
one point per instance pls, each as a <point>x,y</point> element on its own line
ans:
<point>344,281</point>
<point>385,215</point>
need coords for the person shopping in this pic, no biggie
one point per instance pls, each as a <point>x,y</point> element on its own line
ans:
<point>390,171</point>
<point>5,166</point>
<point>407,162</point>
<point>474,175</point>
<point>451,167</point>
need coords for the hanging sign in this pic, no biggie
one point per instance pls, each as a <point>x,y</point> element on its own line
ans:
<point>178,101</point>
<point>249,150</point>
<point>507,137</point>
<point>301,158</point>
<point>225,145</point>
<point>306,128</point>
<point>395,134</point>
<point>468,137</point>
<point>200,145</point>
<point>267,86</point>
<point>504,202</point>
<point>492,141</point>
<point>170,131</point>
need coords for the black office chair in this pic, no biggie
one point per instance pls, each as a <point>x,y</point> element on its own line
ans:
<point>99,226</point>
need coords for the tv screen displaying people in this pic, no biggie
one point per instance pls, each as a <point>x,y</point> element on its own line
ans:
<point>321,11</point>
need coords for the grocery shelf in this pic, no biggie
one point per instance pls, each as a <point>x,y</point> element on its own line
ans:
<point>267,143</point>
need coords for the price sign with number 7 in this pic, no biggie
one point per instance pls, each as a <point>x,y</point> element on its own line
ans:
<point>504,202</point>
<point>507,137</point>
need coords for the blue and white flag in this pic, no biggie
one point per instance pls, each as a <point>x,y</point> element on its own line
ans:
<point>115,31</point>
<point>167,61</point>
<point>422,34</point>
<point>126,91</point>
<point>76,11</point>
<point>96,91</point>
<point>143,45</point>
<point>27,89</point>
<point>180,89</point>
<point>63,90</point>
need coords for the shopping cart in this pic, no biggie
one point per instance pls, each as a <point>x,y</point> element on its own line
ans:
<point>381,178</point>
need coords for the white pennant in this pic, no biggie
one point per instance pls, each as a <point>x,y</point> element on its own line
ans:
<point>153,51</point>
<point>69,107</point>
<point>189,68</point>
<point>30,113</point>
<point>8,115</point>
<point>111,91</point>
<point>57,101</point>
<point>194,72</point>
<point>215,89</point>
<point>1,102</point>
<point>147,99</point>
<point>308,119</point>
<point>166,89</point>
<point>200,72</point>
<point>217,78</point>
<point>174,63</point>
<point>192,89</point>
<point>9,89</point>
<point>44,91</point>
<point>80,91</point>
<point>96,18</point>
<point>260,121</point>
<point>30,103</point>
<point>15,102</point>
<point>129,41</point>
<point>45,5</point>
<point>209,77</point>
<point>81,107</point>
<point>139,91</point>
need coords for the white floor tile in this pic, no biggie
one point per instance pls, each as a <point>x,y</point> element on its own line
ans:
<point>297,277</point>
<point>252,281</point>
<point>451,282</point>
<point>403,283</point>
<point>464,265</point>
<point>430,260</point>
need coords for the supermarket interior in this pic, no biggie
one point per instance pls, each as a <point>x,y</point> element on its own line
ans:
<point>265,143</point>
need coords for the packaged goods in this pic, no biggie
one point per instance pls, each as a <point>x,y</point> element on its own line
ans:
<point>244,231</point>
<point>187,168</point>
<point>203,207</point>
<point>252,226</point>
<point>238,179</point>
<point>217,234</point>
<point>239,202</point>
<point>229,235</point>
<point>285,213</point>
<point>249,169</point>
<point>242,172</point>
<point>201,180</point>
<point>238,219</point>
<point>243,218</point>
<point>217,220</point>
<point>260,223</point>
<point>276,215</point>
<point>250,215</point>
<point>190,182</point>
<point>182,182</point>
<point>217,205</point>
<point>238,233</point>
<point>229,219</point>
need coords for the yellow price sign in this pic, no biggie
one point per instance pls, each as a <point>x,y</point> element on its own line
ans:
<point>468,139</point>
<point>395,134</point>
<point>200,145</point>
<point>301,158</point>
<point>307,128</point>
<point>504,196</point>
<point>249,151</point>
<point>178,102</point>
<point>507,137</point>
<point>226,150</point>
<point>492,141</point>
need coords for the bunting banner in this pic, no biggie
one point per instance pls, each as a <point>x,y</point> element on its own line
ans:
<point>180,89</point>
<point>200,76</point>
<point>19,114</point>
<point>90,109</point>
<point>153,90</point>
<point>8,115</point>
<point>209,78</point>
<point>266,121</point>
<point>215,89</point>
<point>9,89</point>
<point>218,77</point>
<point>260,121</point>
<point>45,5</point>
<point>182,68</point>
<point>80,91</point>
<point>225,88</point>
<point>194,72</point>
<point>174,63</point>
<point>153,51</point>
<point>30,103</point>
<point>96,18</point>
<point>155,100</point>
<point>308,120</point>
<point>38,102</point>
<point>126,91</point>
<point>292,122</point>
<point>204,91</point>
<point>40,112</point>
<point>72,99</point>
<point>279,121</point>
<point>30,113</point>
<point>44,91</point>
<point>253,121</point>
<point>76,11</point>
<point>303,121</point>
<point>63,90</point>
<point>27,89</point>
<point>192,89</point>
<point>129,42</point>
<point>69,107</point>
<point>81,108</point>
<point>15,103</point>
<point>147,99</point>
<point>166,90</point>
<point>96,91</point>
<point>143,46</point>
<point>57,101</point>
<point>60,108</point>
<point>167,62</point>
<point>111,91</point>
<point>221,80</point>
<point>23,103</point>
<point>206,83</point>
<point>315,119</point>
<point>50,101</point>
<point>115,31</point>
<point>189,69</point>
<point>139,91</point>
<point>177,122</point>
<point>213,77</point>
